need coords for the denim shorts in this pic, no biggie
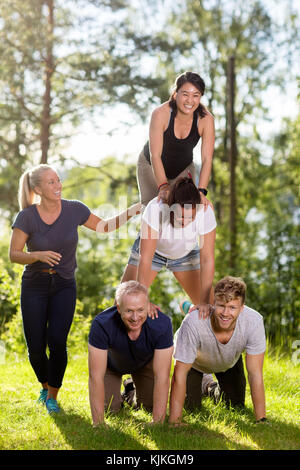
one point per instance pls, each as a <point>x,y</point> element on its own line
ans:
<point>189,262</point>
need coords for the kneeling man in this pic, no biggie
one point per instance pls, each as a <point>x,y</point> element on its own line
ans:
<point>124,340</point>
<point>214,345</point>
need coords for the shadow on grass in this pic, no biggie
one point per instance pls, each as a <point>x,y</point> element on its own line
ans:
<point>274,434</point>
<point>271,435</point>
<point>238,424</point>
<point>194,437</point>
<point>131,430</point>
<point>79,434</point>
<point>195,434</point>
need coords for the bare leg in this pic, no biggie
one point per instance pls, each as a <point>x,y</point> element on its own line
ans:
<point>190,282</point>
<point>130,273</point>
<point>52,392</point>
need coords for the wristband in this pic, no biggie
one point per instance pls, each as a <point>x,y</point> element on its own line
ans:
<point>202,190</point>
<point>163,184</point>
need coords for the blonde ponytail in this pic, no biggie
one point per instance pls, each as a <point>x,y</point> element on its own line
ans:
<point>26,194</point>
<point>28,181</point>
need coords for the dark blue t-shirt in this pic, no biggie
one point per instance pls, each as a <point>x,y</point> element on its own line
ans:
<point>125,356</point>
<point>61,236</point>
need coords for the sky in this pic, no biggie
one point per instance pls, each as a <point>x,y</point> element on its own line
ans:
<point>92,144</point>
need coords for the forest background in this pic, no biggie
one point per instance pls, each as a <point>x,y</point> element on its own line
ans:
<point>78,82</point>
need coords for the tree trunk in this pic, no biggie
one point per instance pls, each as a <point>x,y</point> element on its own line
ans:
<point>231,126</point>
<point>49,69</point>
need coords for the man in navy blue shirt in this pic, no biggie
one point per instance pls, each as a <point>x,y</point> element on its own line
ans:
<point>125,340</point>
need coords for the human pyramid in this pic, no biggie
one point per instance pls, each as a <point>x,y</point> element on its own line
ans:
<point>133,337</point>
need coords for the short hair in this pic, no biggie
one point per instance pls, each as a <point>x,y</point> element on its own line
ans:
<point>129,288</point>
<point>230,288</point>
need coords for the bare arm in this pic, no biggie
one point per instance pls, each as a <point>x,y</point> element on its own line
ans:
<point>207,150</point>
<point>147,249</point>
<point>178,391</point>
<point>97,367</point>
<point>156,132</point>
<point>254,366</point>
<point>161,369</point>
<point>158,124</point>
<point>207,265</point>
<point>105,226</point>
<point>18,255</point>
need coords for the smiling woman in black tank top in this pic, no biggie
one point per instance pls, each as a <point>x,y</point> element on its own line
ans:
<point>175,129</point>
<point>177,154</point>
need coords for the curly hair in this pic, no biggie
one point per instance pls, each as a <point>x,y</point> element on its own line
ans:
<point>230,288</point>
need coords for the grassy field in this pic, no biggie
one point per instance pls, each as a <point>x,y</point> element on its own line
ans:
<point>25,425</point>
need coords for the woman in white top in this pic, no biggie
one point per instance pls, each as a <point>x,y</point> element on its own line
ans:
<point>179,235</point>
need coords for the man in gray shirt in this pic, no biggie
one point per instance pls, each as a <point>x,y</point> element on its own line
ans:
<point>214,345</point>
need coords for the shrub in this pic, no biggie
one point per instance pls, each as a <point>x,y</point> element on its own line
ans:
<point>9,293</point>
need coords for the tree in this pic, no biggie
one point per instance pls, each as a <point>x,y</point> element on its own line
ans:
<point>55,71</point>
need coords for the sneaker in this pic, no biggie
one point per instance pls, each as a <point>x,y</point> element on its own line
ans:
<point>214,392</point>
<point>43,396</point>
<point>185,306</point>
<point>207,380</point>
<point>129,394</point>
<point>52,406</point>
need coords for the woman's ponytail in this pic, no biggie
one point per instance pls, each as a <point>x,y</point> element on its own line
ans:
<point>28,181</point>
<point>26,194</point>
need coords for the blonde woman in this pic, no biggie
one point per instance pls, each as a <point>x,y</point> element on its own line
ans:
<point>48,294</point>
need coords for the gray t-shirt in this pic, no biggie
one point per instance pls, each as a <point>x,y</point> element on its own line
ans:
<point>196,343</point>
<point>61,236</point>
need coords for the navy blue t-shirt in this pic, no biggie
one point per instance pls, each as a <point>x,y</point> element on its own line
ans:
<point>61,236</point>
<point>125,356</point>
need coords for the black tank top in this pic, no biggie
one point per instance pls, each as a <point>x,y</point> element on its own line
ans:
<point>177,154</point>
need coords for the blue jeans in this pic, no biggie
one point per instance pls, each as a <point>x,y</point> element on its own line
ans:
<point>48,304</point>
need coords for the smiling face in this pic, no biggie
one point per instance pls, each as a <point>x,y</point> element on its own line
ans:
<point>133,309</point>
<point>187,98</point>
<point>184,216</point>
<point>49,186</point>
<point>226,314</point>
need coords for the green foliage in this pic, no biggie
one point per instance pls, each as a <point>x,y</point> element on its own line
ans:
<point>13,336</point>
<point>78,336</point>
<point>9,293</point>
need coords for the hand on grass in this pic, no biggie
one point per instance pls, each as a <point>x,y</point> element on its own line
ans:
<point>262,420</point>
<point>102,425</point>
<point>178,425</point>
